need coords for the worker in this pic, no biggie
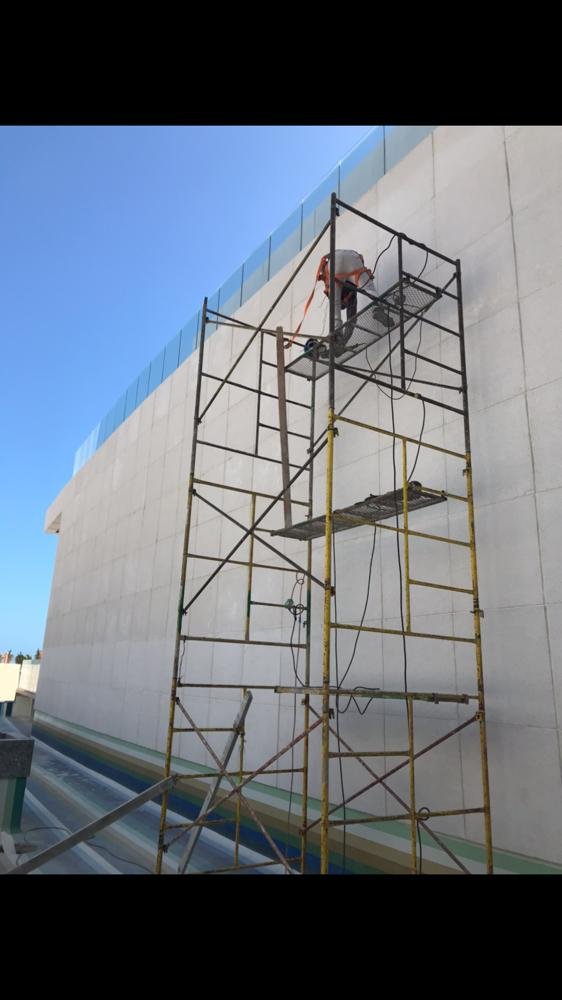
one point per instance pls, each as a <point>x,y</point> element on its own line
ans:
<point>351,277</point>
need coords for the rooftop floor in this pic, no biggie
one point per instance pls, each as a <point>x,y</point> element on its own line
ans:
<point>62,796</point>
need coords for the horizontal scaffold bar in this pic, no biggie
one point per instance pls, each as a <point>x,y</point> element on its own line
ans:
<point>445,493</point>
<point>369,753</point>
<point>440,586</point>
<point>421,381</point>
<point>431,361</point>
<point>241,562</point>
<point>401,437</point>
<point>424,814</point>
<point>239,868</point>
<point>394,232</point>
<point>244,642</point>
<point>240,489</point>
<point>270,427</point>
<point>369,378</point>
<point>251,388</point>
<point>243,774</point>
<point>402,531</point>
<point>432,696</point>
<point>397,631</point>
<point>239,451</point>
<point>203,729</point>
<point>241,325</point>
<point>238,687</point>
<point>208,822</point>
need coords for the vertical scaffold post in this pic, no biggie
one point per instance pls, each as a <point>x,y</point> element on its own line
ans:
<point>476,604</point>
<point>181,596</point>
<point>401,305</point>
<point>406,538</point>
<point>325,801</point>
<point>283,435</point>
<point>250,569</point>
<point>306,699</point>
<point>411,761</point>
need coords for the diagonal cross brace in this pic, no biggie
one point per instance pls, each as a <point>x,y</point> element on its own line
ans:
<point>396,796</point>
<point>236,789</point>
<point>212,793</point>
<point>99,824</point>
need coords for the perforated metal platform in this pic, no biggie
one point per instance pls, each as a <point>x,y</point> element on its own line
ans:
<point>372,509</point>
<point>373,321</point>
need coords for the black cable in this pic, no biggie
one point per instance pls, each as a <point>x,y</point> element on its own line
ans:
<point>297,611</point>
<point>32,829</point>
<point>424,266</point>
<point>391,397</point>
<point>425,811</point>
<point>65,829</point>
<point>180,678</point>
<point>338,685</point>
<point>295,664</point>
<point>381,254</point>
<point>402,394</point>
<point>419,445</point>
<point>338,682</point>
<point>387,247</point>
<point>420,847</point>
<point>398,539</point>
<point>127,861</point>
<point>416,352</point>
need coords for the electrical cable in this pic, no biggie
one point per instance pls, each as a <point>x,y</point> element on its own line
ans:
<point>180,677</point>
<point>422,813</point>
<point>382,254</point>
<point>297,611</point>
<point>338,685</point>
<point>424,266</point>
<point>351,699</point>
<point>91,840</point>
<point>127,861</point>
<point>399,558</point>
<point>419,445</point>
<point>32,829</point>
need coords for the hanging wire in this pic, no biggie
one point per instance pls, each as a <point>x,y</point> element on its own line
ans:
<point>180,676</point>
<point>422,813</point>
<point>297,610</point>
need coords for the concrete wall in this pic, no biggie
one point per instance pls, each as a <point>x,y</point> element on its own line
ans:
<point>9,674</point>
<point>29,676</point>
<point>491,196</point>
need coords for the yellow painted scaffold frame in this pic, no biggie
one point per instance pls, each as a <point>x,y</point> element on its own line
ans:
<point>317,830</point>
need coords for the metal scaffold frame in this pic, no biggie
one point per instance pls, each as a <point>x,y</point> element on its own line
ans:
<point>320,701</point>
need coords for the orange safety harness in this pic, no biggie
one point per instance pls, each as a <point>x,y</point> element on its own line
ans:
<point>323,274</point>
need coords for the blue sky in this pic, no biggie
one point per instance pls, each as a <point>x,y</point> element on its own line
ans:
<point>109,239</point>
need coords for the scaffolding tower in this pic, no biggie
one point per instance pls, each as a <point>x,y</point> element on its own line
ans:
<point>268,538</point>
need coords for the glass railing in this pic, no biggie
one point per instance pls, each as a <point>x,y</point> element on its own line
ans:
<point>377,153</point>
